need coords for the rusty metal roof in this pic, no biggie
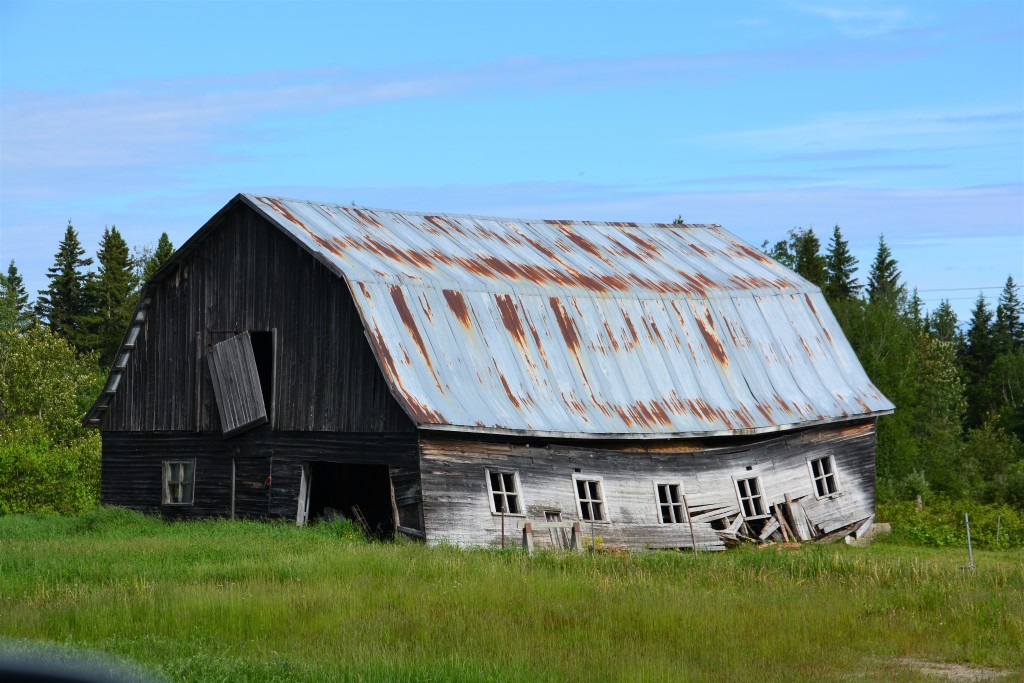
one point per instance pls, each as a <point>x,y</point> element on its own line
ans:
<point>584,329</point>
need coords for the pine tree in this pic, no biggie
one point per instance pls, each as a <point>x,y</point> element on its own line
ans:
<point>943,323</point>
<point>163,252</point>
<point>914,311</point>
<point>840,265</point>
<point>63,305</point>
<point>884,279</point>
<point>1008,331</point>
<point>807,258</point>
<point>978,354</point>
<point>111,294</point>
<point>14,309</point>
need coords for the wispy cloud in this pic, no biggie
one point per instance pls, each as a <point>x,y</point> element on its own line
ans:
<point>865,134</point>
<point>860,20</point>
<point>169,126</point>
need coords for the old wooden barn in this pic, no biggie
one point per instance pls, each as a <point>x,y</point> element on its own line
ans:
<point>450,376</point>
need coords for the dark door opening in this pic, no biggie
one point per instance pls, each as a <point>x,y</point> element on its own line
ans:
<point>263,352</point>
<point>340,487</point>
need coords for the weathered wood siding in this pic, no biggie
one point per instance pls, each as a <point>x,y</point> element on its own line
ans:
<point>247,275</point>
<point>456,507</point>
<point>132,474</point>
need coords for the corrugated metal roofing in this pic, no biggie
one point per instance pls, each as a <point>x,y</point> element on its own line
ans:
<point>584,329</point>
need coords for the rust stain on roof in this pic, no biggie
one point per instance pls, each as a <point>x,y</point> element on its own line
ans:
<point>278,206</point>
<point>566,324</point>
<point>410,324</point>
<point>710,338</point>
<point>510,318</point>
<point>457,303</point>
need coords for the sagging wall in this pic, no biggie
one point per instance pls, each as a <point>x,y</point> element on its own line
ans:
<point>457,509</point>
<point>132,472</point>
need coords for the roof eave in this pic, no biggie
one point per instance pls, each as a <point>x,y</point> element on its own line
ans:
<point>649,436</point>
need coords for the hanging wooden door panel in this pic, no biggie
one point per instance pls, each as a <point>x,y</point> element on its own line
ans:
<point>236,385</point>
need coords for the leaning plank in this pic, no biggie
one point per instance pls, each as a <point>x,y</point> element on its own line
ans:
<point>769,528</point>
<point>863,528</point>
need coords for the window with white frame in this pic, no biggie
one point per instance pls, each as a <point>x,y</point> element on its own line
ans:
<point>590,499</point>
<point>179,481</point>
<point>503,488</point>
<point>751,500</point>
<point>670,503</point>
<point>823,473</point>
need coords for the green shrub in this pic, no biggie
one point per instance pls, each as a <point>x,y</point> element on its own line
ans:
<point>38,476</point>
<point>941,523</point>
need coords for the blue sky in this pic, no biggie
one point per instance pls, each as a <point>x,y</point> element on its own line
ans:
<point>902,118</point>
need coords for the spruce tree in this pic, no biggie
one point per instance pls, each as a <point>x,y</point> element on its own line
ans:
<point>1008,331</point>
<point>914,311</point>
<point>14,309</point>
<point>884,279</point>
<point>111,293</point>
<point>840,265</point>
<point>943,323</point>
<point>978,354</point>
<point>162,254</point>
<point>64,304</point>
<point>807,259</point>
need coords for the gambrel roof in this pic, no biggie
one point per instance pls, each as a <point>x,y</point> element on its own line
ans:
<point>583,329</point>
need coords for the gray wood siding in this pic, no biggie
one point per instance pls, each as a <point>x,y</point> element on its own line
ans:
<point>456,507</point>
<point>132,476</point>
<point>236,385</point>
<point>247,275</point>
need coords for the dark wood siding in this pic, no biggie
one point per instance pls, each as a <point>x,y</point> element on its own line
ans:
<point>456,507</point>
<point>132,467</point>
<point>247,275</point>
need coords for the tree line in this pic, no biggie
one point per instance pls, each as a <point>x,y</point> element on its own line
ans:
<point>54,354</point>
<point>958,387</point>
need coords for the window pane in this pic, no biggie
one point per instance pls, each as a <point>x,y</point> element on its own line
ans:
<point>666,514</point>
<point>674,493</point>
<point>742,485</point>
<point>826,465</point>
<point>512,501</point>
<point>497,502</point>
<point>758,510</point>
<point>677,510</point>
<point>585,510</point>
<point>598,511</point>
<point>595,493</point>
<point>662,494</point>
<point>581,489</point>
<point>509,480</point>
<point>754,488</point>
<point>819,485</point>
<point>495,481</point>
<point>186,493</point>
<point>747,512</point>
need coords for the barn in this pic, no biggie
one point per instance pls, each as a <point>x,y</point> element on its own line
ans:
<point>459,378</point>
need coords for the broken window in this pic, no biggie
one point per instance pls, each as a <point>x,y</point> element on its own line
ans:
<point>590,499</point>
<point>504,492</point>
<point>670,503</point>
<point>751,501</point>
<point>823,473</point>
<point>178,481</point>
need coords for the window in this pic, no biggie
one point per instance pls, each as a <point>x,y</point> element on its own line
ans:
<point>670,503</point>
<point>504,491</point>
<point>179,478</point>
<point>751,502</point>
<point>590,500</point>
<point>823,473</point>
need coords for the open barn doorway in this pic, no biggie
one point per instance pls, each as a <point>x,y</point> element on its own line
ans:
<point>351,491</point>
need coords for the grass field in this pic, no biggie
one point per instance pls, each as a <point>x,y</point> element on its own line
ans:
<point>237,601</point>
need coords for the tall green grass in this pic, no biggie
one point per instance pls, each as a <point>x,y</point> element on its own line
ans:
<point>216,601</point>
